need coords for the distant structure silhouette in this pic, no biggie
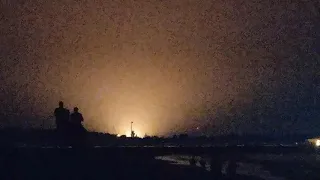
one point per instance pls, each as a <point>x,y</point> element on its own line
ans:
<point>62,117</point>
<point>132,132</point>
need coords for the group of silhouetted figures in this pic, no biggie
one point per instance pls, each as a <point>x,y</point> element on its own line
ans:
<point>216,166</point>
<point>69,125</point>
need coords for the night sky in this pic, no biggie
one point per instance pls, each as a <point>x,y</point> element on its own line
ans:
<point>211,67</point>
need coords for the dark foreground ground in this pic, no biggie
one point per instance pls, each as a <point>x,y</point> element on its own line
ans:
<point>36,163</point>
<point>297,166</point>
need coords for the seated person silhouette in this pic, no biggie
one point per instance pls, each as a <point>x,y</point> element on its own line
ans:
<point>62,117</point>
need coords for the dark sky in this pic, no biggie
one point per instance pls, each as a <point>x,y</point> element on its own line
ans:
<point>170,66</point>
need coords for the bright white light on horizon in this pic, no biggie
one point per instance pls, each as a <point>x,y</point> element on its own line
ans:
<point>317,142</point>
<point>139,128</point>
<point>128,134</point>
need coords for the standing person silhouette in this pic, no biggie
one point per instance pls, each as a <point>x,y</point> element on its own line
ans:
<point>62,117</point>
<point>77,128</point>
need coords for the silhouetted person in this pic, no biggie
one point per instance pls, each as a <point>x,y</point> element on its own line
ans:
<point>77,129</point>
<point>216,166</point>
<point>76,117</point>
<point>202,163</point>
<point>62,117</point>
<point>193,161</point>
<point>232,168</point>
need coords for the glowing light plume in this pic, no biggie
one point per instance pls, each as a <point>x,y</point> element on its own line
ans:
<point>169,66</point>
